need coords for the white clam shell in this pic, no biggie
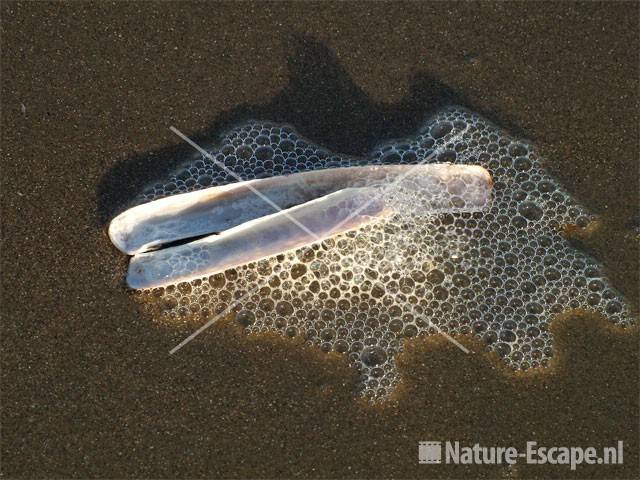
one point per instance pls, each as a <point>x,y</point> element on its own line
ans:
<point>327,202</point>
<point>257,239</point>
<point>216,209</point>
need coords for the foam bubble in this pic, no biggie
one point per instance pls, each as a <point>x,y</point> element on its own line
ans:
<point>501,275</point>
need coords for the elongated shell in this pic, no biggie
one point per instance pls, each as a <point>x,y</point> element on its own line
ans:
<point>217,209</point>
<point>445,189</point>
<point>257,239</point>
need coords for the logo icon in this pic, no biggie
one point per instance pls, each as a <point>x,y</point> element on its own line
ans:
<point>429,452</point>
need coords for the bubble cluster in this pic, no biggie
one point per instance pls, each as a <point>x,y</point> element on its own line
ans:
<point>501,274</point>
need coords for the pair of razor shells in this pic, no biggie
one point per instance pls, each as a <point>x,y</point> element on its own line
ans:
<point>226,226</point>
<point>431,248</point>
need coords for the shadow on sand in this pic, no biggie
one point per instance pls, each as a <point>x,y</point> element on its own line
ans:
<point>323,104</point>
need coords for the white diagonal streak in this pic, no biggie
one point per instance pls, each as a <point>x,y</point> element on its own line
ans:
<point>266,199</point>
<point>240,179</point>
<point>448,337</point>
<point>387,187</point>
<point>217,317</point>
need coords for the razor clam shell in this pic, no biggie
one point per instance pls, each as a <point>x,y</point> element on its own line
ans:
<point>257,239</point>
<point>452,190</point>
<point>216,209</point>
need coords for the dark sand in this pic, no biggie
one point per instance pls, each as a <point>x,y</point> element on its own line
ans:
<point>88,387</point>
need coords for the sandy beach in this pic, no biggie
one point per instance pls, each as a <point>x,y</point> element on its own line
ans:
<point>88,93</point>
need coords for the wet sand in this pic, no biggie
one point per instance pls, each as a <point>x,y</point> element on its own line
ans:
<point>88,94</point>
